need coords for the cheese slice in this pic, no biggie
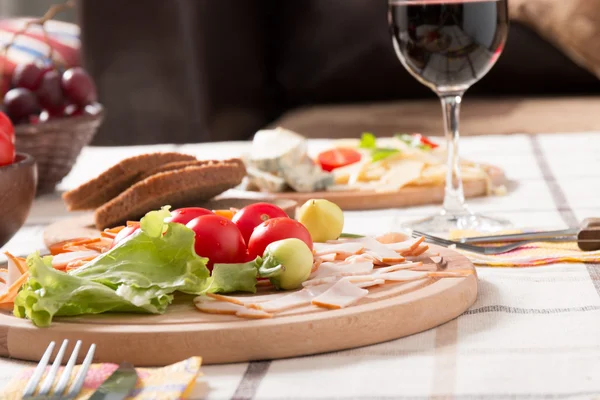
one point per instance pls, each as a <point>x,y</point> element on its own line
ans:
<point>342,294</point>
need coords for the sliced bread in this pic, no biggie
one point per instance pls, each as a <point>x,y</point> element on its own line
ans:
<point>109,184</point>
<point>187,186</point>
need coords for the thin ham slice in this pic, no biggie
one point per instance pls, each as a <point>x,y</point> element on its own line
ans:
<point>212,306</point>
<point>300,298</point>
<point>61,260</point>
<point>333,279</point>
<point>253,313</point>
<point>342,269</point>
<point>396,267</point>
<point>342,294</point>
<point>322,249</point>
<point>16,267</point>
<point>403,276</point>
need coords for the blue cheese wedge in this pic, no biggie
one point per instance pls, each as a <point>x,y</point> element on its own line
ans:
<point>284,153</point>
<point>265,181</point>
<point>273,147</point>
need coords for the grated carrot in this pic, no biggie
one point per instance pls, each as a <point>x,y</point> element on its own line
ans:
<point>21,265</point>
<point>11,293</point>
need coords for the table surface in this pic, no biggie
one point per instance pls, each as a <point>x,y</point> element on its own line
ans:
<point>532,333</point>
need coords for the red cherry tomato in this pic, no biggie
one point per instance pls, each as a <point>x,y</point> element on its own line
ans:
<point>185,215</point>
<point>255,214</point>
<point>218,239</point>
<point>7,140</point>
<point>123,233</point>
<point>336,158</point>
<point>6,128</point>
<point>276,229</point>
<point>425,140</point>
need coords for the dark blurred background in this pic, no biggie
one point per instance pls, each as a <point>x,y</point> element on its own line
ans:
<point>202,70</point>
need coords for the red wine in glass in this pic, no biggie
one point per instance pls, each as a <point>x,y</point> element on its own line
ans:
<point>448,45</point>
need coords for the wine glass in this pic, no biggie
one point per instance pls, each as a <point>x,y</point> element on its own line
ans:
<point>448,45</point>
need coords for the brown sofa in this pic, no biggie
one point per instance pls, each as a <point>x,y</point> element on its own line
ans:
<point>206,70</point>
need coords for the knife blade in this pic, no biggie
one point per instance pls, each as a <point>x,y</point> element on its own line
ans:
<point>118,385</point>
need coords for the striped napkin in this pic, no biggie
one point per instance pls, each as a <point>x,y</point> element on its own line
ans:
<point>175,381</point>
<point>529,255</point>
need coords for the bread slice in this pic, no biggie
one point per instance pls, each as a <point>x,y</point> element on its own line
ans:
<point>182,164</point>
<point>187,186</point>
<point>116,179</point>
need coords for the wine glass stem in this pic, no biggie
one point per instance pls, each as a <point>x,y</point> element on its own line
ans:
<point>454,198</point>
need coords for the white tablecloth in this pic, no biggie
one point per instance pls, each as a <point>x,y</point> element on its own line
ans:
<point>532,333</point>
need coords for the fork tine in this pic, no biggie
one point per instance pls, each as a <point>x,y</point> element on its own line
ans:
<point>47,384</point>
<point>78,384</point>
<point>39,371</point>
<point>64,377</point>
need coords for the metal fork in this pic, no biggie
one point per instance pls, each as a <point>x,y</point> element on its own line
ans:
<point>486,250</point>
<point>60,390</point>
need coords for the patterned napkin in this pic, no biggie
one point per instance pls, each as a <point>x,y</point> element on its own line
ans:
<point>175,381</point>
<point>529,255</point>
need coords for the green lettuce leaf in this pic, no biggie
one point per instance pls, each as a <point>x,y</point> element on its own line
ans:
<point>367,141</point>
<point>227,278</point>
<point>49,292</point>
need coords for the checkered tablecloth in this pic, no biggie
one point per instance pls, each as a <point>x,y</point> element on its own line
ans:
<point>533,333</point>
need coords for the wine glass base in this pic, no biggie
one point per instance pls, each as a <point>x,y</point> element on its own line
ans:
<point>444,223</point>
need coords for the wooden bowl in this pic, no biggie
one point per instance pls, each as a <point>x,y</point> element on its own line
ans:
<point>18,182</point>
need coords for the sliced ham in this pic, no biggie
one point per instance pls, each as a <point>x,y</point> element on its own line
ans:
<point>406,245</point>
<point>212,306</point>
<point>342,294</point>
<point>403,276</point>
<point>342,269</point>
<point>374,282</point>
<point>333,279</point>
<point>61,260</point>
<point>392,237</point>
<point>322,249</point>
<point>253,313</point>
<point>396,267</point>
<point>300,298</point>
<point>227,299</point>
<point>16,268</point>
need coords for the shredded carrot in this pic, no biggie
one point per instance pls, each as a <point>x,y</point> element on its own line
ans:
<point>82,242</point>
<point>21,266</point>
<point>227,299</point>
<point>225,213</point>
<point>2,280</point>
<point>11,293</point>
<point>74,262</point>
<point>133,223</point>
<point>59,247</point>
<point>109,235</point>
<point>420,250</point>
<point>115,230</point>
<point>7,306</point>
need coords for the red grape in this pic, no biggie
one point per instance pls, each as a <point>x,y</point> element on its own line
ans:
<point>28,76</point>
<point>20,103</point>
<point>50,94</point>
<point>78,86</point>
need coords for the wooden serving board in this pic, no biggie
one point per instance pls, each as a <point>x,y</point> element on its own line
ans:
<point>370,200</point>
<point>389,312</point>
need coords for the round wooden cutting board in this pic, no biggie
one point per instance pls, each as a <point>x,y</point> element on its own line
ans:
<point>389,312</point>
<point>408,196</point>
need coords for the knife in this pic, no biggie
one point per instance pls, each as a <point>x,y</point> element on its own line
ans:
<point>118,385</point>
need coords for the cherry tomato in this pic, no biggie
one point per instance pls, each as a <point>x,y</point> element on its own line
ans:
<point>6,128</point>
<point>276,229</point>
<point>255,214</point>
<point>424,140</point>
<point>7,151</point>
<point>185,215</point>
<point>123,233</point>
<point>336,158</point>
<point>218,239</point>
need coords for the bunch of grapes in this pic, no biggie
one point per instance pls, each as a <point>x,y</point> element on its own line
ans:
<point>40,93</point>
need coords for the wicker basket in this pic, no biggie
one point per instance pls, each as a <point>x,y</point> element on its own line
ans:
<point>56,144</point>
